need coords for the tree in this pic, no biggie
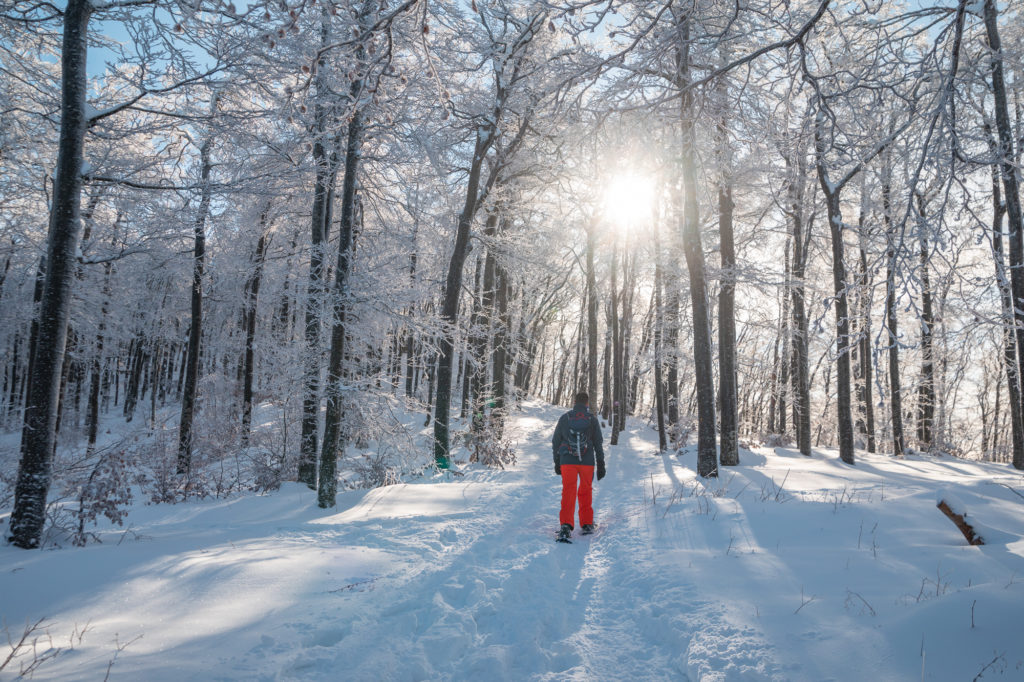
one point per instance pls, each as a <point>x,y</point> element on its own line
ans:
<point>707,455</point>
<point>1010,178</point>
<point>29,511</point>
<point>729,441</point>
<point>508,73</point>
<point>188,400</point>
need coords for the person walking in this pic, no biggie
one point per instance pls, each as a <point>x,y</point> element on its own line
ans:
<point>578,450</point>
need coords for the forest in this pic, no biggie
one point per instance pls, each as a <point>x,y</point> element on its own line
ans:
<point>235,237</point>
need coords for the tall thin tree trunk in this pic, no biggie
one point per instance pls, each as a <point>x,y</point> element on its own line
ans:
<point>92,419</point>
<point>252,292</point>
<point>926,389</point>
<point>33,341</point>
<point>591,313</point>
<point>659,386</point>
<point>614,325</point>
<point>866,369</point>
<point>844,415</point>
<point>862,371</point>
<point>320,221</point>
<point>452,292</point>
<point>39,435</point>
<point>501,355</point>
<point>328,481</point>
<point>800,335</point>
<point>1006,301</point>
<point>891,320</point>
<point>188,398</point>
<point>707,451</point>
<point>606,390</point>
<point>1011,182</point>
<point>729,438</point>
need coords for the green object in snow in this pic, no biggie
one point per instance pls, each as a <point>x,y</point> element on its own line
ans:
<point>442,463</point>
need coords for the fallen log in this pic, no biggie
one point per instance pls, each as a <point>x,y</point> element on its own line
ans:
<point>961,522</point>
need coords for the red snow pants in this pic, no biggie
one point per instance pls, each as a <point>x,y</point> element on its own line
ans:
<point>584,476</point>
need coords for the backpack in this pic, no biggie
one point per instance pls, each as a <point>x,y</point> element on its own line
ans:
<point>579,433</point>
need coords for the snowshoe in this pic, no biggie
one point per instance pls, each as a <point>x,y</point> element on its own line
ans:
<point>564,533</point>
<point>587,528</point>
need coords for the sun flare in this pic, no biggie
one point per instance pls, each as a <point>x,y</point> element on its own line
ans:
<point>627,201</point>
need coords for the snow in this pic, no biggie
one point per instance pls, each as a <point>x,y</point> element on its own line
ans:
<point>786,568</point>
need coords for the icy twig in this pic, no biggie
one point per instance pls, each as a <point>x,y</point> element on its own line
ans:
<point>850,594</point>
<point>804,601</point>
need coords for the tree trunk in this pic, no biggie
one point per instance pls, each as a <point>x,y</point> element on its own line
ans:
<point>483,327</point>
<point>188,398</point>
<point>92,419</point>
<point>591,313</point>
<point>33,340</point>
<point>866,392</point>
<point>1006,302</point>
<point>323,199</point>
<point>606,389</point>
<point>614,325</point>
<point>1011,183</point>
<point>926,389</point>
<point>800,335</point>
<point>328,482</point>
<point>39,436</point>
<point>501,355</point>
<point>659,386</point>
<point>892,332</point>
<point>707,455</point>
<point>729,438</point>
<point>452,291</point>
<point>252,292</point>
<point>844,415</point>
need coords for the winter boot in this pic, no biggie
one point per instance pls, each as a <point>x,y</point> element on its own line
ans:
<point>564,533</point>
<point>588,528</point>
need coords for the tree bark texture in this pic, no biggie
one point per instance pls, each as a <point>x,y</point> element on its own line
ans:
<point>1010,362</point>
<point>801,360</point>
<point>39,433</point>
<point>926,388</point>
<point>450,305</point>
<point>188,398</point>
<point>323,199</point>
<point>891,319</point>
<point>1011,181</point>
<point>707,451</point>
<point>728,390</point>
<point>252,293</point>
<point>844,414</point>
<point>328,481</point>
<point>591,313</point>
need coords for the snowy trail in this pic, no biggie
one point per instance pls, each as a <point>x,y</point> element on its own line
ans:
<point>502,600</point>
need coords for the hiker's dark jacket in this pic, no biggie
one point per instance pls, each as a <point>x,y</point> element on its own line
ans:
<point>560,441</point>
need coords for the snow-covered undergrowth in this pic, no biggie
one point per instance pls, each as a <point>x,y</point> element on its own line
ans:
<point>785,568</point>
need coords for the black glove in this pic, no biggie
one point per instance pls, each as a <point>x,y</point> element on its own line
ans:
<point>600,470</point>
<point>558,470</point>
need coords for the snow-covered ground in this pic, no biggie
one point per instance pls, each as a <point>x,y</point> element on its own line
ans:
<point>786,568</point>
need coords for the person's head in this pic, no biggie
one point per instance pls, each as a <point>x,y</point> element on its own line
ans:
<point>582,398</point>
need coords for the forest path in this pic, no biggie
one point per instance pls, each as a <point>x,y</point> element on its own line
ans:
<point>497,598</point>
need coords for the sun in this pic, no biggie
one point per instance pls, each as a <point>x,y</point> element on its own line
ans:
<point>627,201</point>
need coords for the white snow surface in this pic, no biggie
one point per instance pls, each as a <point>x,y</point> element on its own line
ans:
<point>785,568</point>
